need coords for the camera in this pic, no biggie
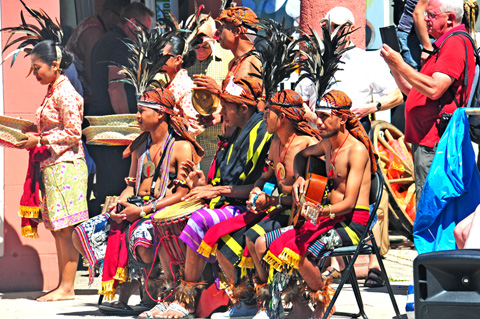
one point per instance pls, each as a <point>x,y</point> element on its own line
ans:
<point>135,200</point>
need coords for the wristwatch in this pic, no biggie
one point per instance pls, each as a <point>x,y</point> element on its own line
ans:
<point>379,106</point>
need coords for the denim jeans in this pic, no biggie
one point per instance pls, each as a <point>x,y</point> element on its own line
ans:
<point>410,48</point>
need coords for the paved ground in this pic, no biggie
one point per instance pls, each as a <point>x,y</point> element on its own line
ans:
<point>398,262</point>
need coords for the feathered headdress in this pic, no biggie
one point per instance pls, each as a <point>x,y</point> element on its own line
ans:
<point>47,30</point>
<point>322,57</point>
<point>187,29</point>
<point>278,52</point>
<point>146,60</point>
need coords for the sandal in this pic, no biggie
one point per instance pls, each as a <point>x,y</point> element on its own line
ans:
<point>374,279</point>
<point>159,308</point>
<point>333,273</point>
<point>179,309</point>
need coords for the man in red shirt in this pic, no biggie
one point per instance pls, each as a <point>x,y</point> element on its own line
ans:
<point>441,77</point>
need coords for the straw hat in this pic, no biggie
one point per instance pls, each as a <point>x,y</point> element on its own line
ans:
<point>110,135</point>
<point>204,102</point>
<point>113,120</point>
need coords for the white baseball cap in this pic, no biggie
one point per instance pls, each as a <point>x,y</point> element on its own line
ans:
<point>339,16</point>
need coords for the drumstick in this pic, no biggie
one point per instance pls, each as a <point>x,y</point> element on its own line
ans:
<point>388,147</point>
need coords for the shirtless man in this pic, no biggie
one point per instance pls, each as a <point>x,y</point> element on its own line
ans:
<point>162,129</point>
<point>285,117</point>
<point>349,157</point>
<point>237,166</point>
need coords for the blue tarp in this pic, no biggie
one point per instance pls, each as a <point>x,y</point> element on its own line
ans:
<point>451,191</point>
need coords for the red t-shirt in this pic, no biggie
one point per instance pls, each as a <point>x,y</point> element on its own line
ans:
<point>423,114</point>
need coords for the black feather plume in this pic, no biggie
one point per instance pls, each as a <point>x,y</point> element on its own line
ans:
<point>278,52</point>
<point>47,29</point>
<point>147,58</point>
<point>322,57</point>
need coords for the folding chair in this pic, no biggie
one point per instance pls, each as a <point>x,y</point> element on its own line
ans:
<point>350,254</point>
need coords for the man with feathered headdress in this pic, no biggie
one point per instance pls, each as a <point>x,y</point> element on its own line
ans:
<point>237,165</point>
<point>156,179</point>
<point>341,220</point>
<point>235,239</point>
<point>164,144</point>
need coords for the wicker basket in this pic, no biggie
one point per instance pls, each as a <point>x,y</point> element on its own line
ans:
<point>110,135</point>
<point>10,137</point>
<point>15,123</point>
<point>125,120</point>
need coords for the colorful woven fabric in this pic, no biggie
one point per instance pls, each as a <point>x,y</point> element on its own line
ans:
<point>202,220</point>
<point>163,100</point>
<point>159,99</point>
<point>30,200</point>
<point>290,103</point>
<point>335,99</point>
<point>244,90</point>
<point>65,195</point>
<point>239,16</point>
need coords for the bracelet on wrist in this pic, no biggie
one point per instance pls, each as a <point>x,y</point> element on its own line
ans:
<point>142,212</point>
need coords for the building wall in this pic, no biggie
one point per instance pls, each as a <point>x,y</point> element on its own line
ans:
<point>27,264</point>
<point>312,11</point>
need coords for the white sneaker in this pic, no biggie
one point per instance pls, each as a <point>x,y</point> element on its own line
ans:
<point>235,311</point>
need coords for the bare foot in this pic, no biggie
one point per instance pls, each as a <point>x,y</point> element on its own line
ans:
<point>171,312</point>
<point>155,311</point>
<point>300,310</point>
<point>320,311</point>
<point>57,295</point>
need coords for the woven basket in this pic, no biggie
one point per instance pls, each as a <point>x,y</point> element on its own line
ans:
<point>9,137</point>
<point>110,135</point>
<point>15,123</point>
<point>113,120</point>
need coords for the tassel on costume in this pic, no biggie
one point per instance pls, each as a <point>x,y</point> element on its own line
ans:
<point>121,275</point>
<point>30,232</point>
<point>29,211</point>
<point>290,258</point>
<point>205,250</point>
<point>107,290</point>
<point>245,264</point>
<point>273,261</point>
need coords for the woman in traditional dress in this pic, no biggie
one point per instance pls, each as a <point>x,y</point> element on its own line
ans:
<point>179,83</point>
<point>64,172</point>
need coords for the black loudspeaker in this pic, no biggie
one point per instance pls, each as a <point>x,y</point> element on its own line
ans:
<point>447,284</point>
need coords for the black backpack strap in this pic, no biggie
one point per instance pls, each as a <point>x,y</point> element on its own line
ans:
<point>477,60</point>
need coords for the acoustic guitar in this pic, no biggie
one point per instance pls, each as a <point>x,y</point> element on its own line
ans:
<point>315,184</point>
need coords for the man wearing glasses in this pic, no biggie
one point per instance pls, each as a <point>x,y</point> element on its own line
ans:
<point>211,67</point>
<point>438,87</point>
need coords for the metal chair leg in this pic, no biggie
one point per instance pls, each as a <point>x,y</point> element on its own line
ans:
<point>385,278</point>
